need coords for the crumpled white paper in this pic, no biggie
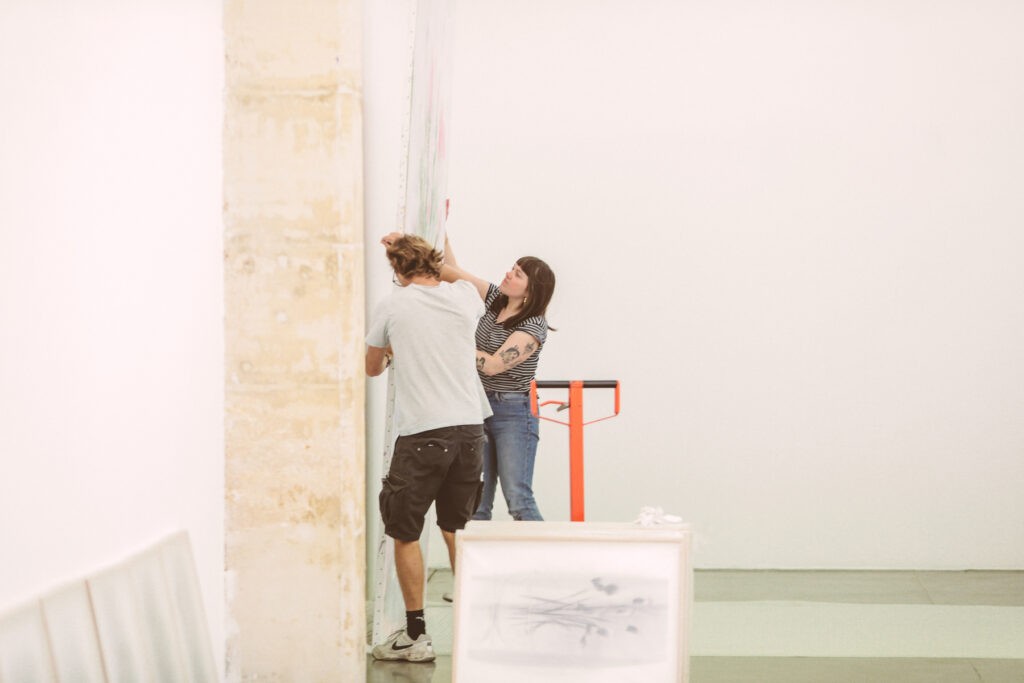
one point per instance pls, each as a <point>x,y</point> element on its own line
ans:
<point>652,516</point>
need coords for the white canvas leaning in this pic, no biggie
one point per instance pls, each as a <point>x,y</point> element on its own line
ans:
<point>140,620</point>
<point>71,626</point>
<point>572,602</point>
<point>24,650</point>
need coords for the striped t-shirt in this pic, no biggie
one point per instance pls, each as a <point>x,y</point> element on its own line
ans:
<point>490,335</point>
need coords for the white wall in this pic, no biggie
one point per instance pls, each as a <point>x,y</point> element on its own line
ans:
<point>111,312</point>
<point>792,230</point>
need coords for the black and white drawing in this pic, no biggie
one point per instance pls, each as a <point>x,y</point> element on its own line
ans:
<point>571,602</point>
<point>583,619</point>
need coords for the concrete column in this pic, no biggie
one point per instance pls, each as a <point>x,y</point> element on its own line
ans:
<point>293,214</point>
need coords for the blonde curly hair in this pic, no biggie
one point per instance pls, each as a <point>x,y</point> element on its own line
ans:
<point>411,255</point>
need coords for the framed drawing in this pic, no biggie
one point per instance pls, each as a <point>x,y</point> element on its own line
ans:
<point>572,602</point>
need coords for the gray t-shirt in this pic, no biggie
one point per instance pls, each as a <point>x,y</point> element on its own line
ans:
<point>430,330</point>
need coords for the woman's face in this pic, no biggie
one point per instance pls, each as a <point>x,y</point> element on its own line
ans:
<point>515,283</point>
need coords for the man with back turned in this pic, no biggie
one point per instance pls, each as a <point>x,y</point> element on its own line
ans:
<point>427,326</point>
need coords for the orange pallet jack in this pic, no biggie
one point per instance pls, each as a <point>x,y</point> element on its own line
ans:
<point>576,425</point>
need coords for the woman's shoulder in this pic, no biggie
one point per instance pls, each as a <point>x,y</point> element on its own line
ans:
<point>536,326</point>
<point>537,320</point>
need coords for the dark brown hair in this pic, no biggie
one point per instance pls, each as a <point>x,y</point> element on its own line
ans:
<point>412,255</point>
<point>540,285</point>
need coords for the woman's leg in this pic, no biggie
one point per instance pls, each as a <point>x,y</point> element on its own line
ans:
<point>515,434</point>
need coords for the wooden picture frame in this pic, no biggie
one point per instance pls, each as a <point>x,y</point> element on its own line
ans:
<point>572,602</point>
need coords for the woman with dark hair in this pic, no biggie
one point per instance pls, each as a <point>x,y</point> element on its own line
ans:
<point>509,339</point>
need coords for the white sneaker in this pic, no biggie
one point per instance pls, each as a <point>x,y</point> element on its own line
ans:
<point>448,597</point>
<point>400,646</point>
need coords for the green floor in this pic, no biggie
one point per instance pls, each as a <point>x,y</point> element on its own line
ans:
<point>809,621</point>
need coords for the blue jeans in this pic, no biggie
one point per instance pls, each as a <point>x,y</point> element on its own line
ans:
<point>512,434</point>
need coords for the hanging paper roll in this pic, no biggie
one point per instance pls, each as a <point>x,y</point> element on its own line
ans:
<point>422,209</point>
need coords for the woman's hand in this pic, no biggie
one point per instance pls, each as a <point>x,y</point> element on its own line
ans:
<point>449,255</point>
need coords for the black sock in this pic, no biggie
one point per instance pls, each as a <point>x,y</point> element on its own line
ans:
<point>415,623</point>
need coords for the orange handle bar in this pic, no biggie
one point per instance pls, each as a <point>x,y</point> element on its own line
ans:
<point>566,384</point>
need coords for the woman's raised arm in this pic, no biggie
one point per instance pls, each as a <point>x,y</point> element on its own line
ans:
<point>450,271</point>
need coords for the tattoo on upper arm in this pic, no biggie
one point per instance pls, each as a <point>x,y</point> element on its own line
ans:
<point>530,346</point>
<point>480,363</point>
<point>510,355</point>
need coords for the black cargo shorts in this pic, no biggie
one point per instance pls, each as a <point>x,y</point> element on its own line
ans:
<point>442,465</point>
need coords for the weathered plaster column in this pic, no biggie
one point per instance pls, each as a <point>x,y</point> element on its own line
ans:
<point>295,518</point>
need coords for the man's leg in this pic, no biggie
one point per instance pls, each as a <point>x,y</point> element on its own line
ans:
<point>408,490</point>
<point>449,540</point>
<point>460,493</point>
<point>411,644</point>
<point>409,567</point>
